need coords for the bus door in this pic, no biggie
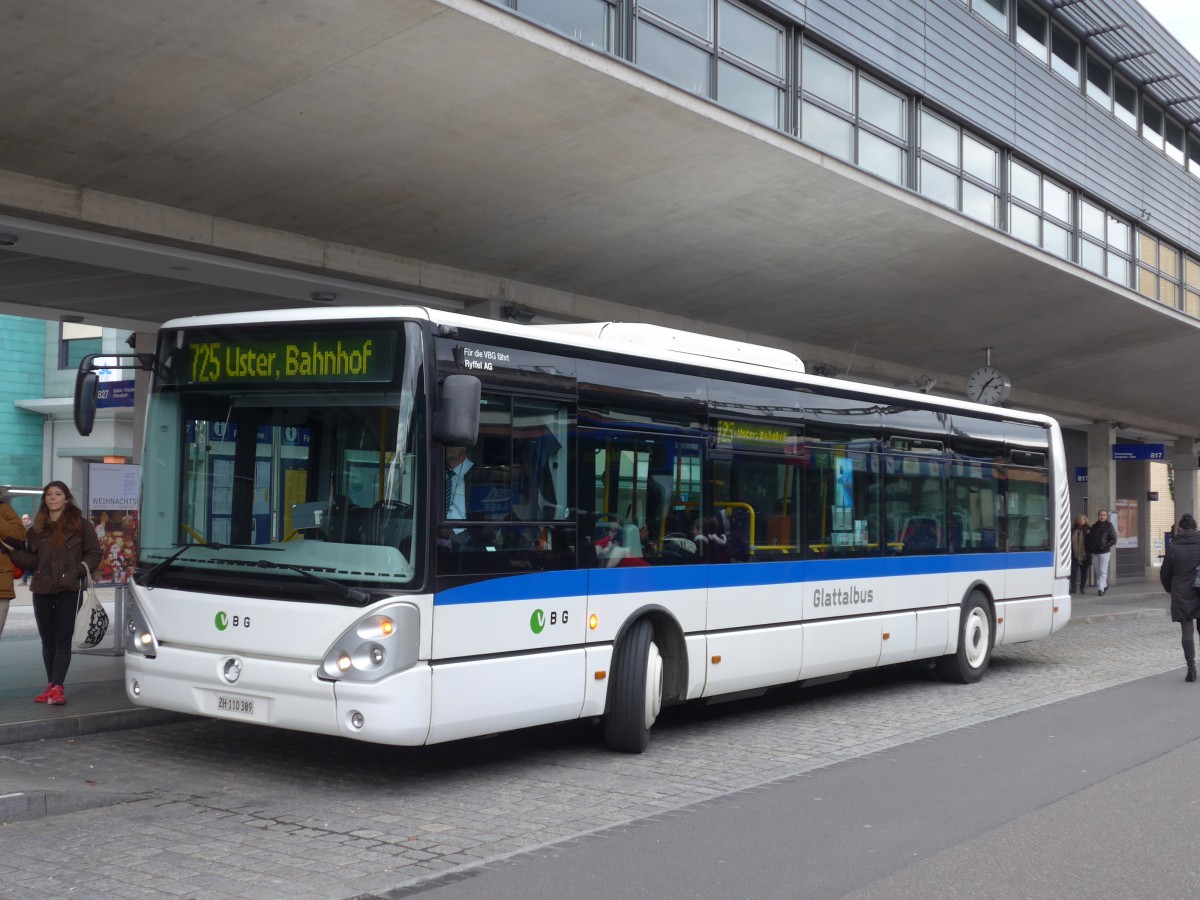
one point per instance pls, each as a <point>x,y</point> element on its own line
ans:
<point>641,517</point>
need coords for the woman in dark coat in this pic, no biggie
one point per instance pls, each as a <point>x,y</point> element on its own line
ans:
<point>59,545</point>
<point>1177,573</point>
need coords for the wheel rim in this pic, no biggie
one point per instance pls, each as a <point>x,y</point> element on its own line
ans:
<point>654,680</point>
<point>976,637</point>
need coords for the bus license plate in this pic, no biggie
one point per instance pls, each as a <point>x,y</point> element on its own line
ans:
<point>235,705</point>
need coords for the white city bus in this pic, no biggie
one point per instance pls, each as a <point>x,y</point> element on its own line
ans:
<point>650,517</point>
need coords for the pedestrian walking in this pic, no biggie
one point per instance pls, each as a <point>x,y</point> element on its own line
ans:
<point>1178,576</point>
<point>1081,557</point>
<point>10,530</point>
<point>57,547</point>
<point>1101,539</point>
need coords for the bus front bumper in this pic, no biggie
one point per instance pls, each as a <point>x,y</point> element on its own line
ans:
<point>283,694</point>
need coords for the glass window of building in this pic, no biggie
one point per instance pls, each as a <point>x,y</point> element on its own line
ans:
<point>994,12</point>
<point>827,78</point>
<point>1158,275</point>
<point>958,169</point>
<point>1152,124</point>
<point>1193,163</point>
<point>1125,103</point>
<point>1174,140</point>
<point>1039,210</point>
<point>1099,81</point>
<point>847,114</point>
<point>672,58</point>
<point>1191,286</point>
<point>1033,29</point>
<point>75,341</point>
<point>587,21</point>
<point>718,49</point>
<point>1104,243</point>
<point>694,16</point>
<point>750,64</point>
<point>1064,54</point>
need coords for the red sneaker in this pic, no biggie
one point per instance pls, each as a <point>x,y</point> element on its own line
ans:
<point>56,697</point>
<point>44,695</point>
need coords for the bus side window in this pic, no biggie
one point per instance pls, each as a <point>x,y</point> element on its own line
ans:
<point>640,495</point>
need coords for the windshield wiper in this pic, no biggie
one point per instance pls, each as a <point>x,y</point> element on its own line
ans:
<point>344,591</point>
<point>151,577</point>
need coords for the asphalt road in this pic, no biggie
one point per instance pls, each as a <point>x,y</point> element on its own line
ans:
<point>1065,773</point>
<point>1091,797</point>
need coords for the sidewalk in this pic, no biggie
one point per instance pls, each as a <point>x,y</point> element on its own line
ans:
<point>96,700</point>
<point>96,691</point>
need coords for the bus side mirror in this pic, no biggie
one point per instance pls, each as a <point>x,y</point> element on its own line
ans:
<point>457,421</point>
<point>86,383</point>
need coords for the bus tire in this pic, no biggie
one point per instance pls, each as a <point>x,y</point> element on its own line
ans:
<point>975,634</point>
<point>635,693</point>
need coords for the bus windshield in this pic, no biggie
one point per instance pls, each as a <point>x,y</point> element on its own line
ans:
<point>277,453</point>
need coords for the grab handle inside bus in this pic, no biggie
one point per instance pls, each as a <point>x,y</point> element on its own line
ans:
<point>457,421</point>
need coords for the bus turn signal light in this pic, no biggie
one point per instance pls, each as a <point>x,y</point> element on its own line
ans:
<point>593,621</point>
<point>601,675</point>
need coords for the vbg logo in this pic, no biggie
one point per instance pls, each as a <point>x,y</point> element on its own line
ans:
<point>223,620</point>
<point>538,621</point>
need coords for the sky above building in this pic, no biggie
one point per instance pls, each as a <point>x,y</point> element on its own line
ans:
<point>1181,18</point>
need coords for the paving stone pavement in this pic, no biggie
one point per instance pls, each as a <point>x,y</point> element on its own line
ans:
<point>213,809</point>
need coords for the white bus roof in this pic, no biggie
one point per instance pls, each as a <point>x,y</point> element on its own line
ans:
<point>636,339</point>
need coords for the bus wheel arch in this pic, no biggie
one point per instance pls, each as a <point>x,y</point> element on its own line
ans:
<point>976,638</point>
<point>648,668</point>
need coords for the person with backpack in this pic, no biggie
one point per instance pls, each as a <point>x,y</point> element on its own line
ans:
<point>1178,576</point>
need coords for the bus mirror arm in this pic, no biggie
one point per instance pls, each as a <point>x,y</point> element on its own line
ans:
<point>456,423</point>
<point>87,381</point>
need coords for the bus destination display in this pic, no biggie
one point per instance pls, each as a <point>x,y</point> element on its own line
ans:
<point>350,357</point>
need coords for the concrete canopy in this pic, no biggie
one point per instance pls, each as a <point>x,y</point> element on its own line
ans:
<point>449,148</point>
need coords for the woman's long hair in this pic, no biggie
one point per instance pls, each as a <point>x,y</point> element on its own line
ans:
<point>70,521</point>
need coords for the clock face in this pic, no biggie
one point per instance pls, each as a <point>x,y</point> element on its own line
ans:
<point>988,385</point>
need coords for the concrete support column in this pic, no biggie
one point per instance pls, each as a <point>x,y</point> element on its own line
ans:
<point>1183,461</point>
<point>1102,479</point>
<point>143,342</point>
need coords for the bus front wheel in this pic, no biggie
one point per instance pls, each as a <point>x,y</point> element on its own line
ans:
<point>635,694</point>
<point>970,661</point>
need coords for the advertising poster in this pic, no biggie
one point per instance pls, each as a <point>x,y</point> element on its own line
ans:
<point>1125,518</point>
<point>113,512</point>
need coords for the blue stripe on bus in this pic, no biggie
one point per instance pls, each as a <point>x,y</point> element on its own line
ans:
<point>648,579</point>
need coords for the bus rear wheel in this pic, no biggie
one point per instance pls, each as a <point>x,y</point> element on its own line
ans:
<point>635,693</point>
<point>967,664</point>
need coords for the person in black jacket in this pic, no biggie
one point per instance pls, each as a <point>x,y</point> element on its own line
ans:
<point>1177,575</point>
<point>1101,540</point>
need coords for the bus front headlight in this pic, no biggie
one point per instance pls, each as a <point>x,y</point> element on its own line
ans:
<point>380,643</point>
<point>139,636</point>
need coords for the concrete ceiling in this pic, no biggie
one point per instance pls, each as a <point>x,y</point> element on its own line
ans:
<point>452,133</point>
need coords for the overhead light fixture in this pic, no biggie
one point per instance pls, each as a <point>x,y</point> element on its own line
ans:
<point>8,240</point>
<point>322,296</point>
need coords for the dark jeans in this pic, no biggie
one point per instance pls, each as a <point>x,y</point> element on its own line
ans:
<point>55,617</point>
<point>1079,574</point>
